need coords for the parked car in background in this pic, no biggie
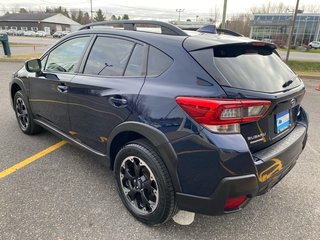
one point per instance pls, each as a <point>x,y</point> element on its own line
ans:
<point>314,44</point>
<point>58,34</point>
<point>12,32</point>
<point>19,33</point>
<point>65,33</point>
<point>191,121</point>
<point>30,33</point>
<point>41,34</point>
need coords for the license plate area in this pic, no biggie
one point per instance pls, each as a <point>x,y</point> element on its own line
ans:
<point>282,121</point>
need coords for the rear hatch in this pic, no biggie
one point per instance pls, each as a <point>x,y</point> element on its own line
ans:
<point>248,69</point>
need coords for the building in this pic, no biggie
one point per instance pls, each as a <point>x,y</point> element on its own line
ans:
<point>48,22</point>
<point>276,27</point>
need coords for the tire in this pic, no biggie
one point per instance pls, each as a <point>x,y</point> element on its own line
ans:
<point>24,114</point>
<point>144,184</point>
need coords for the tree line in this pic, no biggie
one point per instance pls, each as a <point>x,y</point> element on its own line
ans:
<point>79,16</point>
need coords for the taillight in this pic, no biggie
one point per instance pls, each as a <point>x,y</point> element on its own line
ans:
<point>223,115</point>
<point>233,203</point>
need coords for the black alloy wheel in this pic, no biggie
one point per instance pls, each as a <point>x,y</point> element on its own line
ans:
<point>139,185</point>
<point>144,184</point>
<point>24,114</point>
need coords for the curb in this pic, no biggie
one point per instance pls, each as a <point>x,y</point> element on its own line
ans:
<point>13,60</point>
<point>311,77</point>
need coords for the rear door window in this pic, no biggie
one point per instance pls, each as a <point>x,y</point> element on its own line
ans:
<point>137,64</point>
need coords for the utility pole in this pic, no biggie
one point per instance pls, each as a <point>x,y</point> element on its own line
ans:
<point>179,11</point>
<point>291,30</point>
<point>223,24</point>
<point>91,11</point>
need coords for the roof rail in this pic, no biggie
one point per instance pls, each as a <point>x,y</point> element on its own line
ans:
<point>166,28</point>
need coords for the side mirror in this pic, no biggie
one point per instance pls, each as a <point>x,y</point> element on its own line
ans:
<point>33,65</point>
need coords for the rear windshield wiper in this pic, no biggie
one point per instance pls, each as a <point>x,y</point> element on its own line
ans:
<point>286,84</point>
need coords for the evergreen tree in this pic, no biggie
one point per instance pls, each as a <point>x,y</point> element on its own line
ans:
<point>79,16</point>
<point>125,17</point>
<point>86,18</point>
<point>23,10</point>
<point>99,16</point>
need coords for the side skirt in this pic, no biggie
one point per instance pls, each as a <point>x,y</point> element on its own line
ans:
<point>102,157</point>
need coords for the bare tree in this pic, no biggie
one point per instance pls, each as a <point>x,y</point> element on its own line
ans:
<point>270,8</point>
<point>239,23</point>
<point>311,8</point>
<point>216,13</point>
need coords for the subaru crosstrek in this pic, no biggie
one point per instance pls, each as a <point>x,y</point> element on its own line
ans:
<point>192,121</point>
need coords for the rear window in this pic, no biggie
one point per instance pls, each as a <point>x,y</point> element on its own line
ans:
<point>256,68</point>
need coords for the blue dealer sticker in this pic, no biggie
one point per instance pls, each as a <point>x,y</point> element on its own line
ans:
<point>282,121</point>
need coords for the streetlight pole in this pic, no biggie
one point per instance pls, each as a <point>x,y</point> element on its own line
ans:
<point>223,24</point>
<point>91,11</point>
<point>291,31</point>
<point>179,11</point>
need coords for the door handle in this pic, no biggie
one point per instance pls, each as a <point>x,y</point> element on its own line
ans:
<point>62,88</point>
<point>118,101</point>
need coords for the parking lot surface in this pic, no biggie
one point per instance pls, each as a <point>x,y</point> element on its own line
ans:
<point>68,194</point>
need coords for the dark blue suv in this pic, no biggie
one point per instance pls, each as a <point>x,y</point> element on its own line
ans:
<point>186,120</point>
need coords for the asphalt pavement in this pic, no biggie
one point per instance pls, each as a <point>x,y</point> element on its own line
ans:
<point>68,194</point>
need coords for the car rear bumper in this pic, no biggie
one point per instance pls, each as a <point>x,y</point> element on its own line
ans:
<point>214,204</point>
<point>272,164</point>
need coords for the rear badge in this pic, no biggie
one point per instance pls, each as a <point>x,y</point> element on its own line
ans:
<point>282,121</point>
<point>257,138</point>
